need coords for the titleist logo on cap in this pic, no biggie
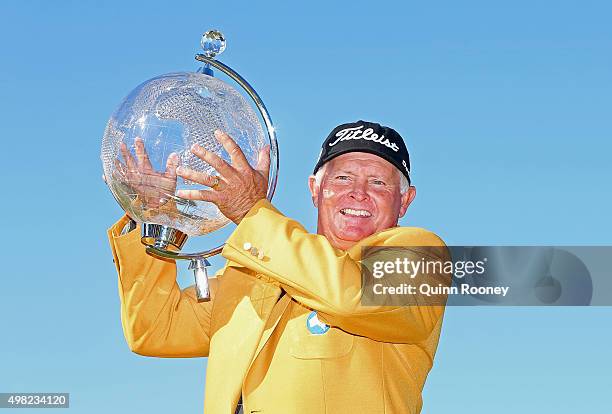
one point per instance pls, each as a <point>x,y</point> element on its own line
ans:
<point>357,133</point>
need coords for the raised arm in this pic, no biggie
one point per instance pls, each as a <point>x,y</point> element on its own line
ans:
<point>158,318</point>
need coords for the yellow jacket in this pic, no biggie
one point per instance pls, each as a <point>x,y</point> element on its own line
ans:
<point>254,330</point>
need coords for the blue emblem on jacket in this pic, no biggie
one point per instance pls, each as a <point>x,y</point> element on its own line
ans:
<point>314,325</point>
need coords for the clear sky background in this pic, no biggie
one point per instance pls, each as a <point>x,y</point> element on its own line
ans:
<point>505,107</point>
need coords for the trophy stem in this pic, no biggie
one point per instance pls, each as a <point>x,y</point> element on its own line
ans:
<point>206,70</point>
<point>200,274</point>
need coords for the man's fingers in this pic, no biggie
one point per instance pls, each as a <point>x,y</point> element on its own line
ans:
<point>200,195</point>
<point>141,155</point>
<point>171,165</point>
<point>263,161</point>
<point>239,161</point>
<point>120,167</point>
<point>129,160</point>
<point>214,160</point>
<point>197,176</point>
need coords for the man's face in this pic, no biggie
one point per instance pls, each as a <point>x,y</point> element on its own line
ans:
<point>359,195</point>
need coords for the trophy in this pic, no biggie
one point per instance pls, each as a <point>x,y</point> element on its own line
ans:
<point>150,134</point>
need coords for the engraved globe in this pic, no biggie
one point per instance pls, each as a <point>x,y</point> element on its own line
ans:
<point>151,133</point>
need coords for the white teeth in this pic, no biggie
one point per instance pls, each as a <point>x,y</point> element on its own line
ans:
<point>359,213</point>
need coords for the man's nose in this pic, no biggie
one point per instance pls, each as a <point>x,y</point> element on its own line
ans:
<point>359,191</point>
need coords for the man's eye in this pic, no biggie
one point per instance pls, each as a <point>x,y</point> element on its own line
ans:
<point>378,182</point>
<point>342,177</point>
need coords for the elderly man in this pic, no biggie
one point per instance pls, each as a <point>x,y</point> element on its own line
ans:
<point>286,331</point>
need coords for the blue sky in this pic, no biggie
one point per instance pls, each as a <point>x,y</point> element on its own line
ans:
<point>505,108</point>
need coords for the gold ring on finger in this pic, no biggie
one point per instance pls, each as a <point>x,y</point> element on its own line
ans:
<point>215,183</point>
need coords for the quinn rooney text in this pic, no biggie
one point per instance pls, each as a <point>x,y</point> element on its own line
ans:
<point>428,290</point>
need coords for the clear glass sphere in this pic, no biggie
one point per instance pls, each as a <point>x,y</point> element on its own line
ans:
<point>213,43</point>
<point>151,133</point>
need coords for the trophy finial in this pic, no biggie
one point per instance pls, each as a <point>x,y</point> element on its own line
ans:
<point>213,43</point>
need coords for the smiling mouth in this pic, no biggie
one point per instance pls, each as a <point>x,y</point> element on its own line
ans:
<point>355,213</point>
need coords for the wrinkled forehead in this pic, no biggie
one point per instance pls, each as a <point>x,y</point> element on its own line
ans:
<point>362,163</point>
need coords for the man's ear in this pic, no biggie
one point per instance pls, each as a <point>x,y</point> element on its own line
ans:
<point>407,198</point>
<point>314,190</point>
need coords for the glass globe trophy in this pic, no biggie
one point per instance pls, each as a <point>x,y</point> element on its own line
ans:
<point>150,134</point>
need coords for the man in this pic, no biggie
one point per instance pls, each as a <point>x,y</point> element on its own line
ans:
<point>285,331</point>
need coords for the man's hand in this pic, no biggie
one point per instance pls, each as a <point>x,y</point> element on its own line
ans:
<point>153,189</point>
<point>237,187</point>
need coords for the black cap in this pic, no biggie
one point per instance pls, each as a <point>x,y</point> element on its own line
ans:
<point>363,136</point>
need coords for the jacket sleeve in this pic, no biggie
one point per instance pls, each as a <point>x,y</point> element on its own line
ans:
<point>158,318</point>
<point>327,279</point>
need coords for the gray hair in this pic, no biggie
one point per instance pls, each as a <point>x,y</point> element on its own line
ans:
<point>403,180</point>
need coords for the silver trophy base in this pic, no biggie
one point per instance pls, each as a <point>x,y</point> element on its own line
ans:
<point>162,237</point>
